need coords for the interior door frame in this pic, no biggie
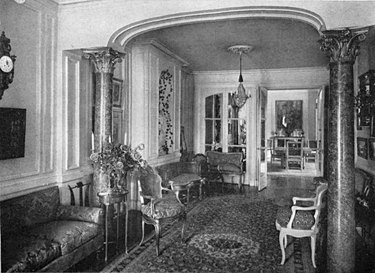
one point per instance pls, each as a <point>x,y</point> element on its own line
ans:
<point>261,177</point>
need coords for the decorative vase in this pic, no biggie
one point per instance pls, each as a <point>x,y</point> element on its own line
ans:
<point>100,184</point>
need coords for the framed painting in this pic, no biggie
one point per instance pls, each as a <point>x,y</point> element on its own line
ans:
<point>117,92</point>
<point>116,125</point>
<point>12,132</point>
<point>288,115</point>
<point>362,147</point>
<point>372,149</point>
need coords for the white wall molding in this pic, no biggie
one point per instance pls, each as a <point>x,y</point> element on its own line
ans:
<point>122,36</point>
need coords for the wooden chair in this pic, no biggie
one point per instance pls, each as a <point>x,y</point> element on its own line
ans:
<point>160,207</point>
<point>278,153</point>
<point>301,221</point>
<point>310,151</point>
<point>294,154</point>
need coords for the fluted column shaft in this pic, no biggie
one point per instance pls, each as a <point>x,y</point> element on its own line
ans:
<point>104,60</point>
<point>342,48</point>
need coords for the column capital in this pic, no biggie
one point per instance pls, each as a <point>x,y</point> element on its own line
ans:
<point>104,58</point>
<point>342,45</point>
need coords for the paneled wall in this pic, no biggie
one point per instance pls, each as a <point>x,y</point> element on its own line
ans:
<point>149,60</point>
<point>32,29</point>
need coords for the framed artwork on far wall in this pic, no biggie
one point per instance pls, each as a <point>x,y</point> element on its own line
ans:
<point>117,92</point>
<point>362,147</point>
<point>372,149</point>
<point>288,115</point>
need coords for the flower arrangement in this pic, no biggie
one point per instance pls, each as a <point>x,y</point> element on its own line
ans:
<point>117,160</point>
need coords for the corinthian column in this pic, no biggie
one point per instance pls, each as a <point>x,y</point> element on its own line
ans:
<point>104,59</point>
<point>342,46</point>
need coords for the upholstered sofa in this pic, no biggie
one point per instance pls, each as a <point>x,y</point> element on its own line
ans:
<point>365,206</point>
<point>40,234</point>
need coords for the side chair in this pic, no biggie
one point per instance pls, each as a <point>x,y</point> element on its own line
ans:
<point>294,154</point>
<point>157,207</point>
<point>301,221</point>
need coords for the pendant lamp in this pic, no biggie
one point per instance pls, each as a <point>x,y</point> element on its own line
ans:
<point>239,98</point>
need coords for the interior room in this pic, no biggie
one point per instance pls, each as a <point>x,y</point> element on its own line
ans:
<point>191,129</point>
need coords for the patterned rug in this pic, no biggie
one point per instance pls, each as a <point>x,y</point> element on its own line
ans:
<point>233,233</point>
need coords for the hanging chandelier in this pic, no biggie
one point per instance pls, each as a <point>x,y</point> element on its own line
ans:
<point>239,98</point>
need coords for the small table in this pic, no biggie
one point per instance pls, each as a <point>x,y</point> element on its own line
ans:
<point>111,198</point>
<point>184,182</point>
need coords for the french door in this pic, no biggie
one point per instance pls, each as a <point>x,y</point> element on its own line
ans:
<point>225,124</point>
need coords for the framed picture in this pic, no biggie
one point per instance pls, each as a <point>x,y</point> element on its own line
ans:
<point>362,147</point>
<point>288,115</point>
<point>372,149</point>
<point>116,125</point>
<point>12,132</point>
<point>116,92</point>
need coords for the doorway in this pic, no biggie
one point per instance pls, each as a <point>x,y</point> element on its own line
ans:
<point>303,108</point>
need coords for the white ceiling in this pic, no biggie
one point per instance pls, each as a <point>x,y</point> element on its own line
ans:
<point>278,43</point>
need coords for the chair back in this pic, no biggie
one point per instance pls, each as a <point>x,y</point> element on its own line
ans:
<point>320,191</point>
<point>294,149</point>
<point>150,183</point>
<point>313,144</point>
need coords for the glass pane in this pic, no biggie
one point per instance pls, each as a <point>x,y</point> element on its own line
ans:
<point>242,132</point>
<point>232,110</point>
<point>209,107</point>
<point>217,105</point>
<point>209,132</point>
<point>217,133</point>
<point>233,132</point>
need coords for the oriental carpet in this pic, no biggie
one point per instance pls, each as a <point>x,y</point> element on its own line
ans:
<point>232,233</point>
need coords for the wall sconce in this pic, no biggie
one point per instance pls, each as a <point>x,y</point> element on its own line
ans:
<point>239,98</point>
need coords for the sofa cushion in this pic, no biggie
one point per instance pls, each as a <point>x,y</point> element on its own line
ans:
<point>166,207</point>
<point>27,253</point>
<point>85,214</point>
<point>69,234</point>
<point>229,168</point>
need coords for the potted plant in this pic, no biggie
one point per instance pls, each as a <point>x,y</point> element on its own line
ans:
<point>115,161</point>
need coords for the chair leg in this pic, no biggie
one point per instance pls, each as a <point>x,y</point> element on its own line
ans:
<point>183,227</point>
<point>157,235</point>
<point>282,241</point>
<point>143,232</point>
<point>313,242</point>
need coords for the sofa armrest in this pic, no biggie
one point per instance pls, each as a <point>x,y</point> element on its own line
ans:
<point>85,214</point>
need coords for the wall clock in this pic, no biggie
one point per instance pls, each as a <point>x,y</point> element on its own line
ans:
<point>6,64</point>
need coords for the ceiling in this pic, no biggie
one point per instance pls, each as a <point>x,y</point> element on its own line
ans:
<point>278,43</point>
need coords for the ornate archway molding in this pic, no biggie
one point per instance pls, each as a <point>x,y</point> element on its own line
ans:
<point>121,37</point>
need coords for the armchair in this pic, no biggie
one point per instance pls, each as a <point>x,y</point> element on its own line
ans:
<point>301,221</point>
<point>159,207</point>
<point>222,164</point>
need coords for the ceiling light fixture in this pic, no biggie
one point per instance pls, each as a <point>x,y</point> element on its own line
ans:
<point>239,98</point>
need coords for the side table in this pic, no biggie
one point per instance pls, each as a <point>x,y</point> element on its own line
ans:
<point>184,182</point>
<point>118,199</point>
